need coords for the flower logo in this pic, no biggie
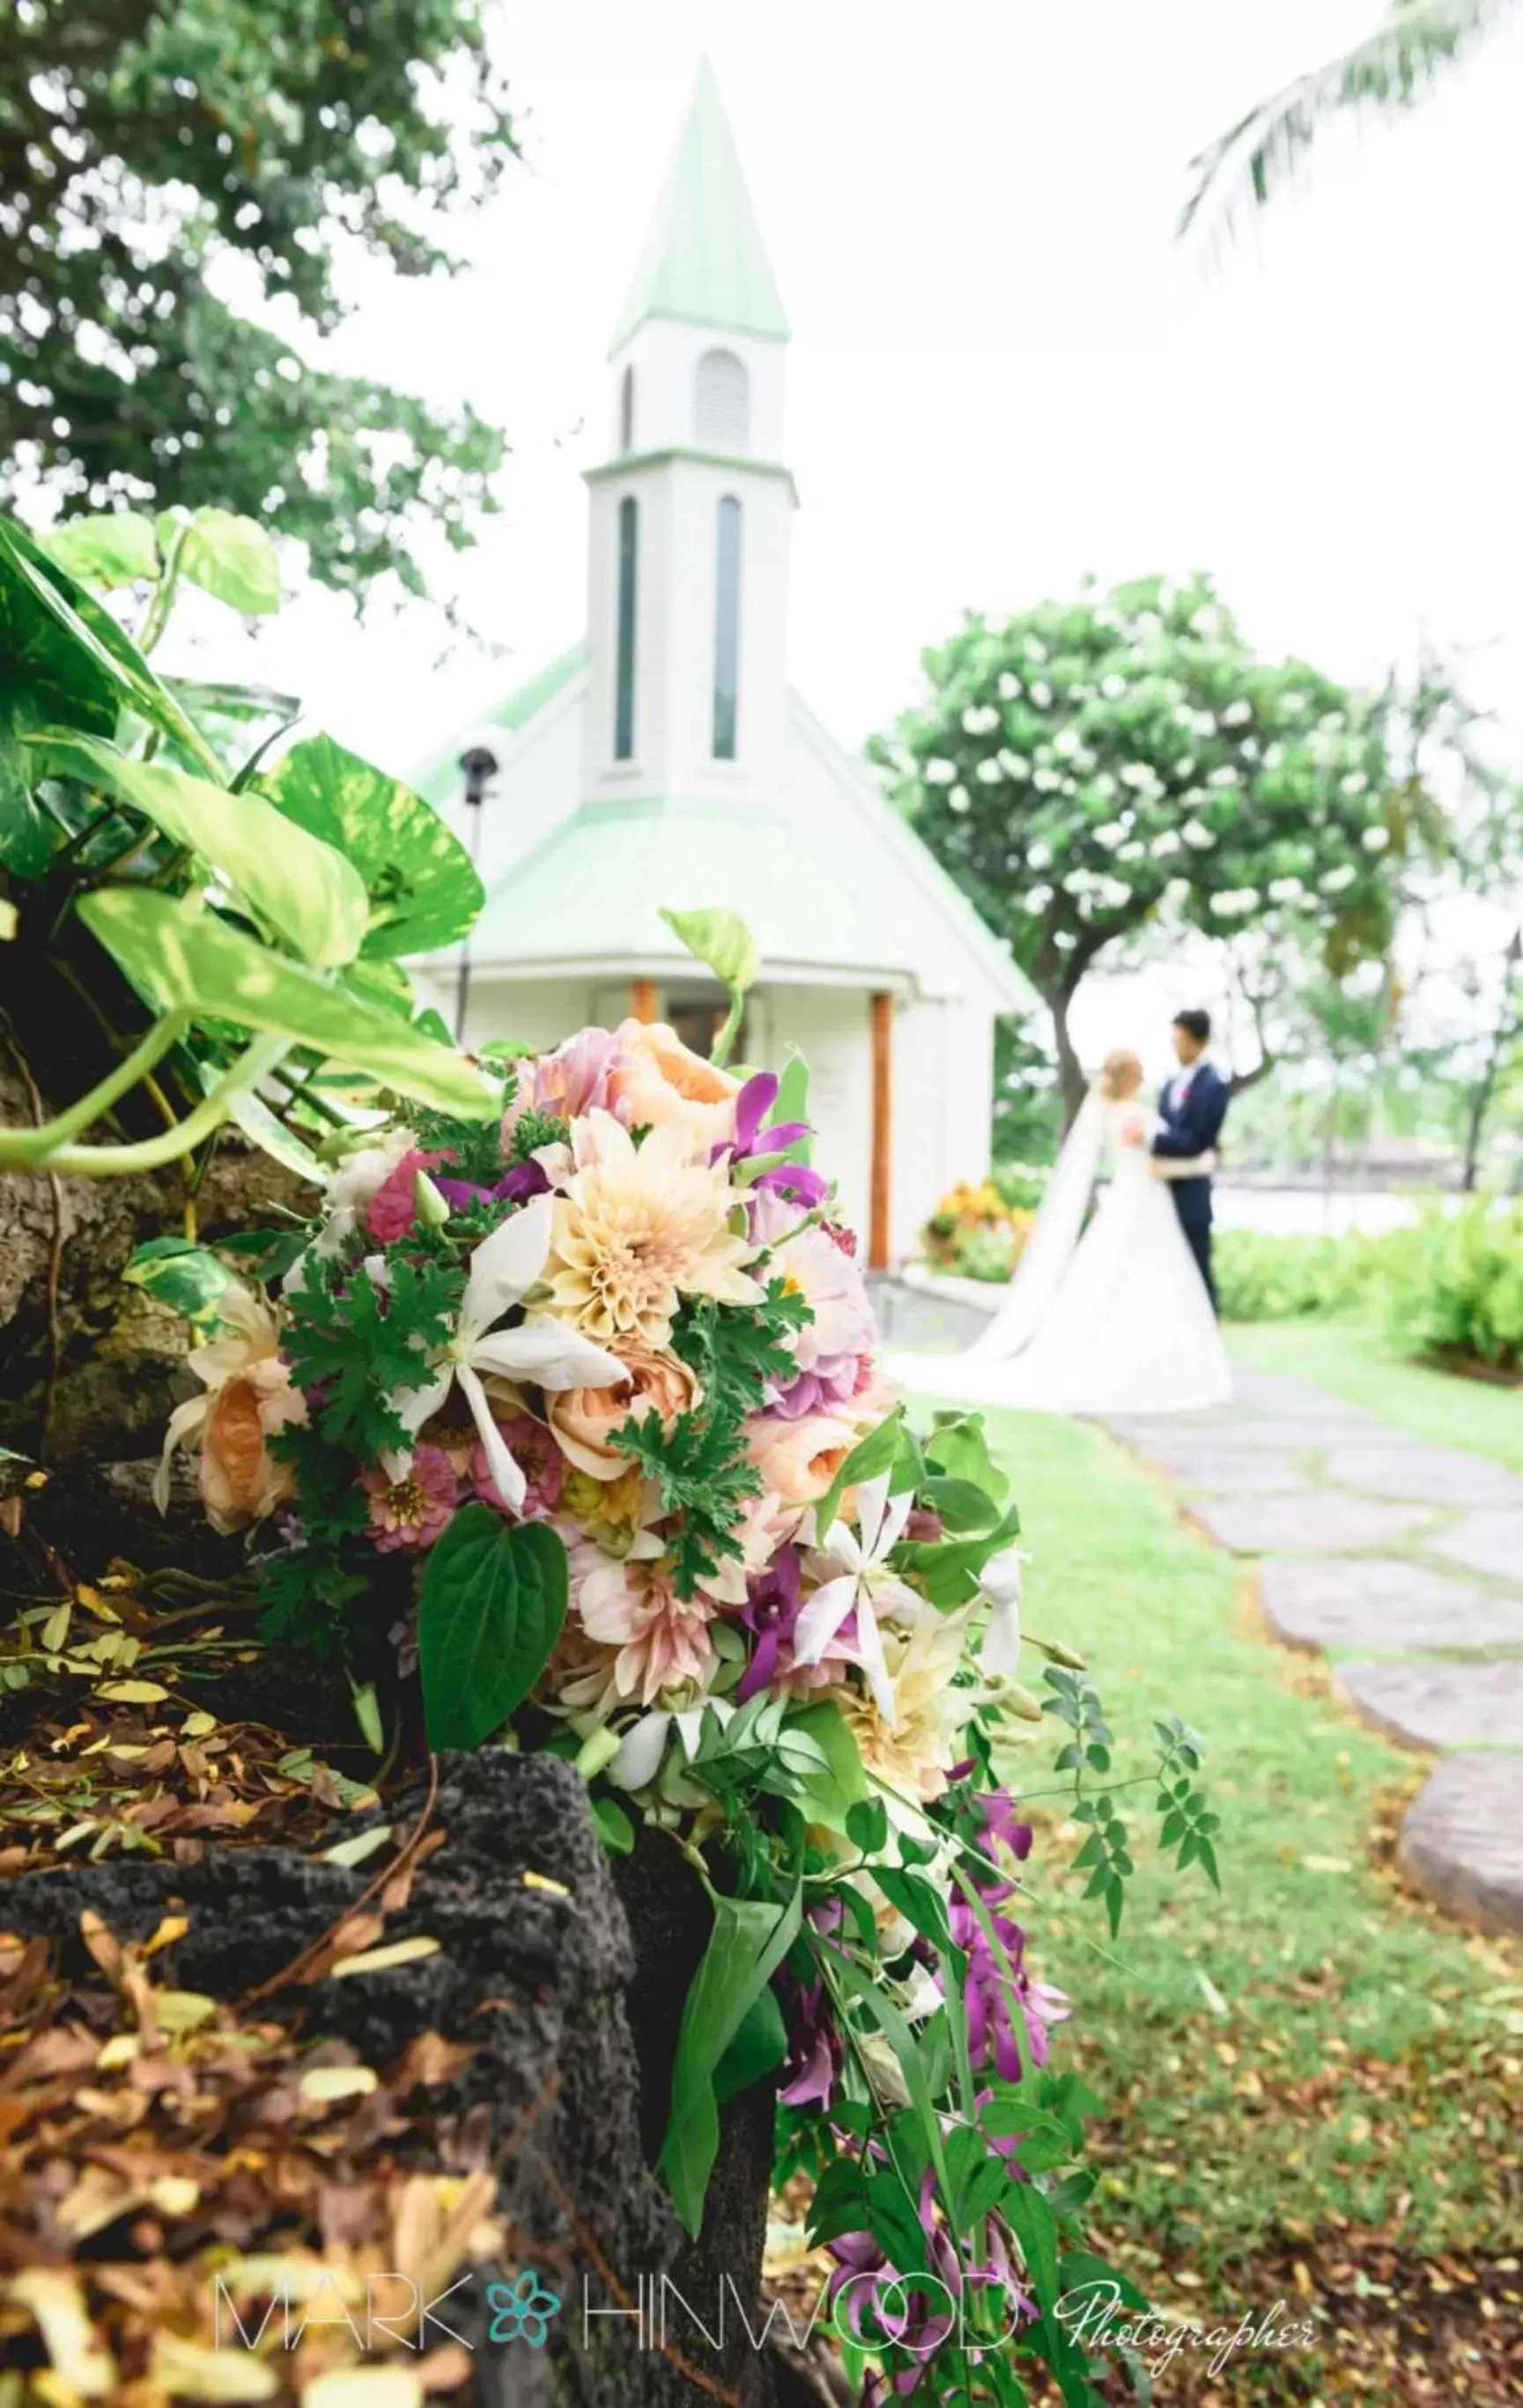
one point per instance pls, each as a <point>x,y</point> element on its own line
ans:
<point>522,2310</point>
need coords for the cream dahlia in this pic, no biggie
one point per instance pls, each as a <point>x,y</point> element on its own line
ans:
<point>661,1638</point>
<point>637,1227</point>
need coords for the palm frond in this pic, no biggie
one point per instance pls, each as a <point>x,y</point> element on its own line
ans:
<point>1387,71</point>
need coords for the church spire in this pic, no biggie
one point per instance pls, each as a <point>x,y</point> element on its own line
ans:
<point>702,262</point>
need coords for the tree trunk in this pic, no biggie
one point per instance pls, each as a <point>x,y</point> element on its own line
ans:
<point>1070,1068</point>
<point>87,1364</point>
<point>1484,1087</point>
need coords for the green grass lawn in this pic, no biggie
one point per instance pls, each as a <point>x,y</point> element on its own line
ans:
<point>1311,2054</point>
<point>1359,1364</point>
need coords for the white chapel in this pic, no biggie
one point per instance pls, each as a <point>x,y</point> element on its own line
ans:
<point>666,760</point>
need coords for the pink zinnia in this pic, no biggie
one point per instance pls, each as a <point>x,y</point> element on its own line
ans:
<point>538,1458</point>
<point>394,1208</point>
<point>413,1511</point>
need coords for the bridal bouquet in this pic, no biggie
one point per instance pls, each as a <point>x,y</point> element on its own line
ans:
<point>580,1411</point>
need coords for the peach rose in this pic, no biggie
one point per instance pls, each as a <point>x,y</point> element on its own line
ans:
<point>798,1461</point>
<point>656,1077</point>
<point>583,1419</point>
<point>240,1480</point>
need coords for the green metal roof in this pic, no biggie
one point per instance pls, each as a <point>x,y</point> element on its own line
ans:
<point>591,892</point>
<point>437,777</point>
<point>703,260</point>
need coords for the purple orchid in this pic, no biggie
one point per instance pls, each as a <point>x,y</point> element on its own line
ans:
<point>770,1613</point>
<point>516,1186</point>
<point>815,2049</point>
<point>791,1179</point>
<point>1000,1815</point>
<point>989,2001</point>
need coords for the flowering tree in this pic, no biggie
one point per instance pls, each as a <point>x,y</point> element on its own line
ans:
<point>1091,767</point>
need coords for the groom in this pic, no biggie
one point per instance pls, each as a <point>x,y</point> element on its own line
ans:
<point>1193,1105</point>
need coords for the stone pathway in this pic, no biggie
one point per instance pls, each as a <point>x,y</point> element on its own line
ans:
<point>1402,1564</point>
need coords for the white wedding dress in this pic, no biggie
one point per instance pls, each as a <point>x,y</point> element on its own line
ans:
<point>1115,1320</point>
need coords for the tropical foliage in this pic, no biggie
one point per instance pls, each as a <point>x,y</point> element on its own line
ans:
<point>1090,768</point>
<point>215,939</point>
<point>1456,1286</point>
<point>160,156</point>
<point>580,1412</point>
<point>1267,1278</point>
<point>1389,70</point>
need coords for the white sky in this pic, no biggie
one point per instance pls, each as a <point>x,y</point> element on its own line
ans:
<point>1003,371</point>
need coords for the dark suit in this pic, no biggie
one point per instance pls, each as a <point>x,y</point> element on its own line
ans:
<point>1193,1127</point>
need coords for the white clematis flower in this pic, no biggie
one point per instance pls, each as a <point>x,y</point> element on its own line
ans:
<point>644,1745</point>
<point>1002,1580</point>
<point>541,1352</point>
<point>862,1584</point>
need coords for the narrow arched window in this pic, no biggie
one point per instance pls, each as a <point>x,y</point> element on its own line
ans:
<point>721,404</point>
<point>727,630</point>
<point>626,410</point>
<point>629,571</point>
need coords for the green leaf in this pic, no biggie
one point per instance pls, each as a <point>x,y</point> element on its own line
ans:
<point>793,1102</point>
<point>423,890</point>
<point>748,1942</point>
<point>962,1507</point>
<point>250,1113</point>
<point>26,846</point>
<point>958,1449</point>
<point>758,2046</point>
<point>114,548</point>
<point>189,1278</point>
<point>613,1827</point>
<point>102,654</point>
<point>722,942</point>
<point>229,557</point>
<point>901,2039</point>
<point>306,889</point>
<point>831,1795</point>
<point>177,955</point>
<point>47,676</point>
<point>875,1454</point>
<point>492,1602</point>
<point>949,1568</point>
<point>1082,2269</point>
<point>867,1825</point>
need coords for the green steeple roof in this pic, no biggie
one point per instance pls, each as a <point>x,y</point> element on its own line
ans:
<point>703,260</point>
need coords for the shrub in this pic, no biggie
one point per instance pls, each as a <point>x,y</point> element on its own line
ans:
<point>1456,1284</point>
<point>1020,1184</point>
<point>1265,1277</point>
<point>975,1232</point>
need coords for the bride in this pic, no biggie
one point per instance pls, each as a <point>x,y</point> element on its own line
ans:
<point>1115,1321</point>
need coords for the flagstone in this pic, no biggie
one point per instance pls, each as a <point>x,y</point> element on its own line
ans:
<point>1462,1840</point>
<point>1490,1541</point>
<point>1428,1701</point>
<point>1434,1474</point>
<point>1323,1521</point>
<point>1202,1467</point>
<point>1382,1602</point>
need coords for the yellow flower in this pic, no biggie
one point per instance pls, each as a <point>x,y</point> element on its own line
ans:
<point>915,1753</point>
<point>638,1227</point>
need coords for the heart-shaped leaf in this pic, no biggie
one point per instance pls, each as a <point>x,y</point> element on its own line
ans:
<point>493,1603</point>
<point>723,941</point>
<point>306,889</point>
<point>98,651</point>
<point>176,953</point>
<point>230,557</point>
<point>423,890</point>
<point>189,1278</point>
<point>111,548</point>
